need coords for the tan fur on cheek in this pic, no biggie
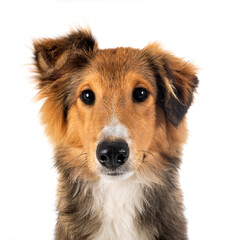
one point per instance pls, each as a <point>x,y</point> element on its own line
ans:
<point>151,168</point>
<point>167,141</point>
<point>79,134</point>
<point>51,117</point>
<point>142,128</point>
<point>76,159</point>
<point>73,129</point>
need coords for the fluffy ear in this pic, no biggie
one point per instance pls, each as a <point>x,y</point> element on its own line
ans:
<point>56,60</point>
<point>176,82</point>
<point>53,54</point>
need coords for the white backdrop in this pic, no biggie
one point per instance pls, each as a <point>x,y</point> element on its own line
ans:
<point>196,30</point>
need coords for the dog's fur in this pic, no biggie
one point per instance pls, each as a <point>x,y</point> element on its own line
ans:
<point>145,202</point>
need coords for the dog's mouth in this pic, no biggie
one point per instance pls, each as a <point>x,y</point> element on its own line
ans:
<point>112,176</point>
<point>115,173</point>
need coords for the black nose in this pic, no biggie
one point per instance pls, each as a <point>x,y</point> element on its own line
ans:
<point>112,154</point>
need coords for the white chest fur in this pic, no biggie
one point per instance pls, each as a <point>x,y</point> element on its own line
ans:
<point>117,202</point>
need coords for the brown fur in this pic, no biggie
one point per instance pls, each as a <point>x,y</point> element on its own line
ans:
<point>68,65</point>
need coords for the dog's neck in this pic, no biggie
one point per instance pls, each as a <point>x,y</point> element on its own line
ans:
<point>117,203</point>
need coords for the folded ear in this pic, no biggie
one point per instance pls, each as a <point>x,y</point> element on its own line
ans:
<point>56,60</point>
<point>53,54</point>
<point>176,82</point>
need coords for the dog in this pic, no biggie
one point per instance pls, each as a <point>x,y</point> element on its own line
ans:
<point>116,118</point>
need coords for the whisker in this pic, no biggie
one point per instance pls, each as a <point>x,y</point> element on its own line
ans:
<point>153,155</point>
<point>78,157</point>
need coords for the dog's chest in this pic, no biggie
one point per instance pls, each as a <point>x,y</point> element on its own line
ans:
<point>117,203</point>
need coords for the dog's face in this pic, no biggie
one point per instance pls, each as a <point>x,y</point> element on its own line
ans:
<point>112,112</point>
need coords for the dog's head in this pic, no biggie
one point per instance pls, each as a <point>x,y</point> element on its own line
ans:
<point>114,111</point>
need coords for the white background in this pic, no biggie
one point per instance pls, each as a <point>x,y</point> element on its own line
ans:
<point>196,30</point>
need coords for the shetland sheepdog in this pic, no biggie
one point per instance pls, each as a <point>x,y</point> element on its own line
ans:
<point>116,118</point>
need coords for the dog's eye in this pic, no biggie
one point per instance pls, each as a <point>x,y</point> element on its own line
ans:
<point>140,94</point>
<point>87,97</point>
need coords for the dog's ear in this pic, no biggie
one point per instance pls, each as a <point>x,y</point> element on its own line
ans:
<point>53,54</point>
<point>56,60</point>
<point>176,82</point>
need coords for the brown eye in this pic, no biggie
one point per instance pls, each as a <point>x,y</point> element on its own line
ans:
<point>87,97</point>
<point>140,94</point>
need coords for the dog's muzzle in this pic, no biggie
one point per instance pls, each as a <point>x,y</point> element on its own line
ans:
<point>112,154</point>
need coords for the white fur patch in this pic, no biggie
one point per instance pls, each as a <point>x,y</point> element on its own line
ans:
<point>115,129</point>
<point>117,202</point>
